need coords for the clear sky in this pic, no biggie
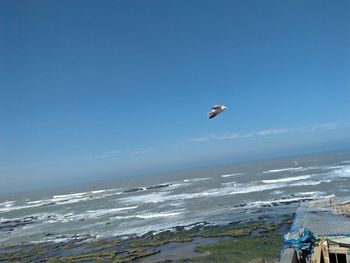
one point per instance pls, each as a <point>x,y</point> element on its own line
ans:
<point>96,89</point>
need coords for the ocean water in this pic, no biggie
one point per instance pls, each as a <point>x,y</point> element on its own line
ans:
<point>216,195</point>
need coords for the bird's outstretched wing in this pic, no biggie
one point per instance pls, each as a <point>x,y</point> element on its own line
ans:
<point>216,107</point>
<point>212,115</point>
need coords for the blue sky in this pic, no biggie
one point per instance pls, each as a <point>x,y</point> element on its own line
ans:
<point>96,89</point>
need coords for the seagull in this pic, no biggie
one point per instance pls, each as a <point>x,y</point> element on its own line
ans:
<point>217,109</point>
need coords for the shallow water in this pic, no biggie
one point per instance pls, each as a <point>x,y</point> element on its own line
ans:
<point>179,251</point>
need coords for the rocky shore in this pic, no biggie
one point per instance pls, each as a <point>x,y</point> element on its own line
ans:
<point>252,241</point>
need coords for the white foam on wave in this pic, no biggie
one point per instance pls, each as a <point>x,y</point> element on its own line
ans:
<point>310,193</point>
<point>291,169</point>
<point>230,175</point>
<point>70,217</point>
<point>157,197</point>
<point>98,191</point>
<point>9,206</point>
<point>57,200</point>
<point>151,215</point>
<point>310,182</point>
<point>164,196</point>
<point>295,198</point>
<point>29,219</point>
<point>68,196</point>
<point>155,215</point>
<point>288,179</point>
<point>198,179</point>
<point>341,171</point>
<point>254,188</point>
<point>65,238</point>
<point>298,169</point>
<point>7,203</point>
<point>109,190</point>
<point>154,197</point>
<point>72,201</point>
<point>89,214</point>
<point>157,226</point>
<point>256,204</point>
<point>104,212</point>
<point>65,199</point>
<point>334,173</point>
<point>13,208</point>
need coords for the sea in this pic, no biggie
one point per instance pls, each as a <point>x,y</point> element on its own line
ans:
<point>154,203</point>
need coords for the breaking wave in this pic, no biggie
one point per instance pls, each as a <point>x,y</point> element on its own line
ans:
<point>158,197</point>
<point>303,196</point>
<point>151,215</point>
<point>230,175</point>
<point>198,179</point>
<point>9,206</point>
<point>292,169</point>
<point>288,179</point>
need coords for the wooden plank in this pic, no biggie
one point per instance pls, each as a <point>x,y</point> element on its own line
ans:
<point>325,252</point>
<point>316,255</point>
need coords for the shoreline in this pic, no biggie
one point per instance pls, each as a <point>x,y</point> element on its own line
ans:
<point>200,242</point>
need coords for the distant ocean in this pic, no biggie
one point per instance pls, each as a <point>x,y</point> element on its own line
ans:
<point>217,195</point>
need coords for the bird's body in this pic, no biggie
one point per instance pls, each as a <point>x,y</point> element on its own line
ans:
<point>217,109</point>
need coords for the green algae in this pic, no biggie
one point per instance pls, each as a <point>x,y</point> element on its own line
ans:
<point>255,241</point>
<point>242,250</point>
<point>263,247</point>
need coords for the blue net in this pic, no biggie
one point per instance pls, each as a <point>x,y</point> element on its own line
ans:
<point>303,243</point>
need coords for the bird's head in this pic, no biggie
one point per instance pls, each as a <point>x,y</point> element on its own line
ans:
<point>223,107</point>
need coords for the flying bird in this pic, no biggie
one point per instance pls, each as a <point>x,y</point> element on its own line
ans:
<point>217,109</point>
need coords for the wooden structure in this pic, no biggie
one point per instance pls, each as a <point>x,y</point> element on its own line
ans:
<point>329,221</point>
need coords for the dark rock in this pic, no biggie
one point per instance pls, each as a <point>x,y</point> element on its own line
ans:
<point>52,203</point>
<point>132,190</point>
<point>157,186</point>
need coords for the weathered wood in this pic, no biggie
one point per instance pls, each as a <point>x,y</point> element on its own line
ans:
<point>289,255</point>
<point>316,256</point>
